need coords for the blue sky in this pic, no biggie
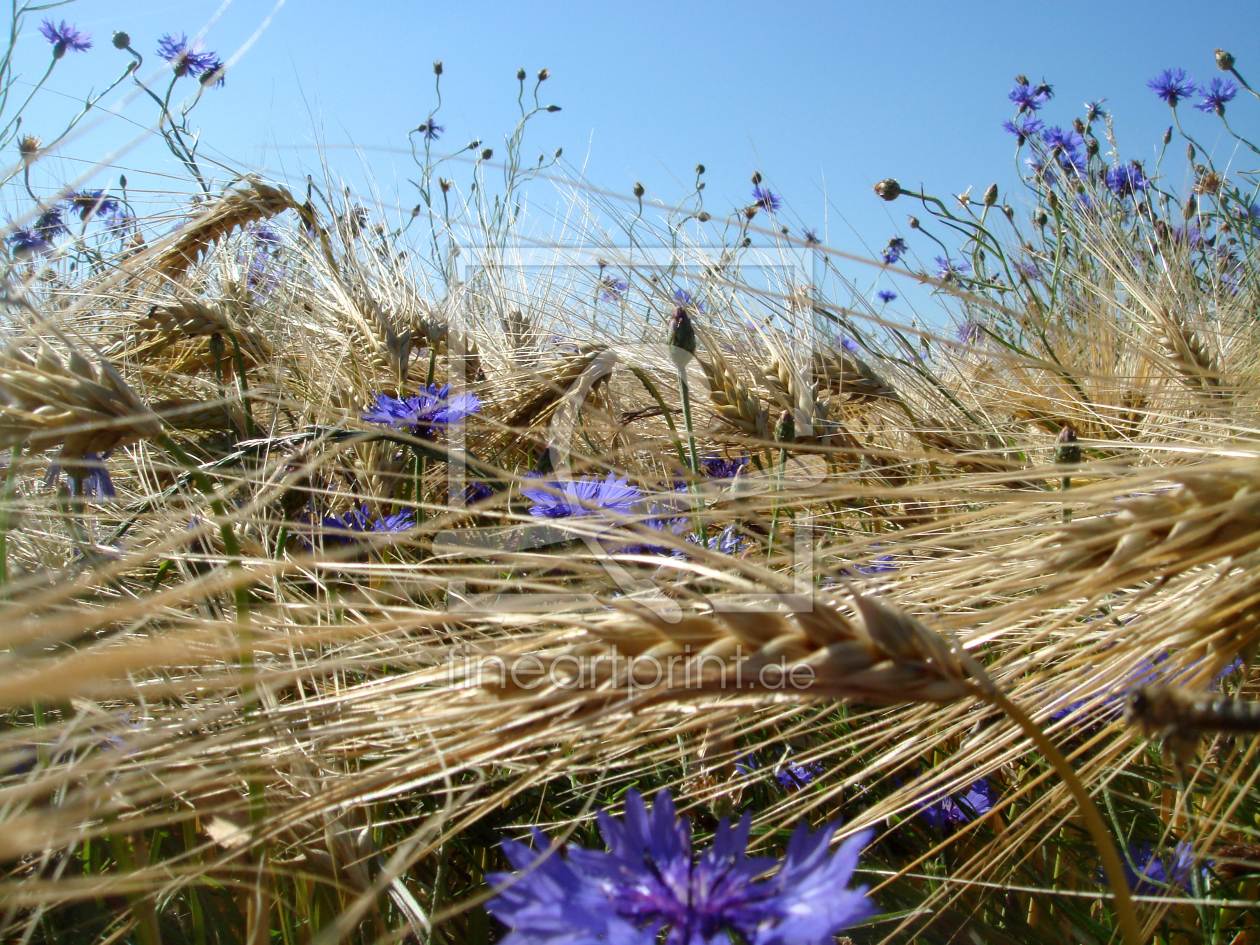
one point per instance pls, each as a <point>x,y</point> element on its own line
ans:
<point>823,98</point>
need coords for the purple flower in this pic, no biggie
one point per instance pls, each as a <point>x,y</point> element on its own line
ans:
<point>848,344</point>
<point>716,466</point>
<point>647,882</point>
<point>1094,110</point>
<point>765,199</point>
<point>810,237</point>
<point>1216,94</point>
<point>1029,98</point>
<point>949,270</point>
<point>187,60</point>
<point>1029,129</point>
<point>884,564</point>
<point>726,542</point>
<point>886,296</point>
<point>794,775</point>
<point>50,224</point>
<point>214,74</point>
<point>1028,270</point>
<point>265,236</point>
<point>612,288</point>
<point>431,129</point>
<point>895,249</point>
<point>433,407</point>
<point>1172,85</point>
<point>64,37</point>
<point>87,476</point>
<point>1126,180</point>
<point>567,498</point>
<point>687,300</point>
<point>92,203</point>
<point>955,810</point>
<point>1189,236</point>
<point>1149,875</point>
<point>27,243</point>
<point>1064,145</point>
<point>358,525</point>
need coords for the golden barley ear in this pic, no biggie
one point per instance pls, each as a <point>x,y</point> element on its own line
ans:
<point>235,209</point>
<point>84,408</point>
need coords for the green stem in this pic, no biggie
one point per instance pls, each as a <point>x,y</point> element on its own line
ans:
<point>6,506</point>
<point>695,456</point>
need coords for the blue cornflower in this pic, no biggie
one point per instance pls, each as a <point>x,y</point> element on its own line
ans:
<point>27,243</point>
<point>969,333</point>
<point>1126,180</point>
<point>64,37</point>
<point>1216,94</point>
<point>612,288</point>
<point>1172,85</point>
<point>92,203</point>
<point>716,466</point>
<point>949,270</point>
<point>811,237</point>
<point>886,295</point>
<point>648,883</point>
<point>895,249</point>
<point>849,345</point>
<point>685,299</point>
<point>1029,98</point>
<point>1150,875</point>
<point>955,810</point>
<point>431,129</point>
<point>265,236</point>
<point>726,542</point>
<point>567,498</point>
<point>1189,236</point>
<point>1064,145</point>
<point>794,775</point>
<point>884,564</point>
<point>1030,128</point>
<point>765,199</point>
<point>1028,270</point>
<point>87,476</point>
<point>476,491</point>
<point>187,60</point>
<point>423,413</point>
<point>50,224</point>
<point>1094,110</point>
<point>214,74</point>
<point>357,525</point>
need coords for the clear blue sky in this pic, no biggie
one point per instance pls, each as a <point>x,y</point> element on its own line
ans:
<point>824,98</point>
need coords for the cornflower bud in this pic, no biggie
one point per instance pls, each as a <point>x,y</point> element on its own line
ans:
<point>1067,451</point>
<point>1009,211</point>
<point>1091,147</point>
<point>746,242</point>
<point>785,429</point>
<point>1078,126</point>
<point>121,40</point>
<point>543,75</point>
<point>638,190</point>
<point>1041,219</point>
<point>700,186</point>
<point>415,211</point>
<point>682,334</point>
<point>991,195</point>
<point>750,212</point>
<point>914,222</point>
<point>699,169</point>
<point>487,154</point>
<point>437,66</point>
<point>888,189</point>
<point>556,156</point>
<point>704,216</point>
<point>756,178</point>
<point>553,108</point>
<point>1021,79</point>
<point>520,75</point>
<point>444,184</point>
<point>1224,61</point>
<point>1168,136</point>
<point>1191,208</point>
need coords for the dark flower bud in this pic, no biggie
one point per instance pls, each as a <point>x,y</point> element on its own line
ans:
<point>638,190</point>
<point>437,66</point>
<point>487,154</point>
<point>1067,451</point>
<point>520,75</point>
<point>1041,219</point>
<point>888,189</point>
<point>556,156</point>
<point>914,222</point>
<point>1224,61</point>
<point>682,334</point>
<point>543,75</point>
<point>473,145</point>
<point>700,186</point>
<point>1190,153</point>
<point>785,429</point>
<point>444,184</point>
<point>1191,207</point>
<point>756,178</point>
<point>1009,211</point>
<point>59,50</point>
<point>991,195</point>
<point>553,108</point>
<point>415,211</point>
<point>1078,126</point>
<point>1091,146</point>
<point>1168,136</point>
<point>704,216</point>
<point>1021,79</point>
<point>1053,200</point>
<point>699,169</point>
<point>746,242</point>
<point>122,181</point>
<point>121,40</point>
<point>217,347</point>
<point>750,211</point>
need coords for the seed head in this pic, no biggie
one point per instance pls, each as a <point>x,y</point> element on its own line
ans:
<point>444,184</point>
<point>888,189</point>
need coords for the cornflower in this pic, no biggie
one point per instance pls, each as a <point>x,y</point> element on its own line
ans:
<point>430,129</point>
<point>1126,180</point>
<point>92,203</point>
<point>726,542</point>
<point>1216,94</point>
<point>1153,876</point>
<point>895,249</point>
<point>567,498</point>
<point>648,883</point>
<point>88,477</point>
<point>955,810</point>
<point>687,300</point>
<point>64,37</point>
<point>1029,98</point>
<point>810,237</point>
<point>1172,85</point>
<point>423,413</point>
<point>948,270</point>
<point>612,288</point>
<point>27,243</point>
<point>50,225</point>
<point>188,60</point>
<point>716,466</point>
<point>1094,110</point>
<point>357,525</point>
<point>1030,128</point>
<point>765,199</point>
<point>886,295</point>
